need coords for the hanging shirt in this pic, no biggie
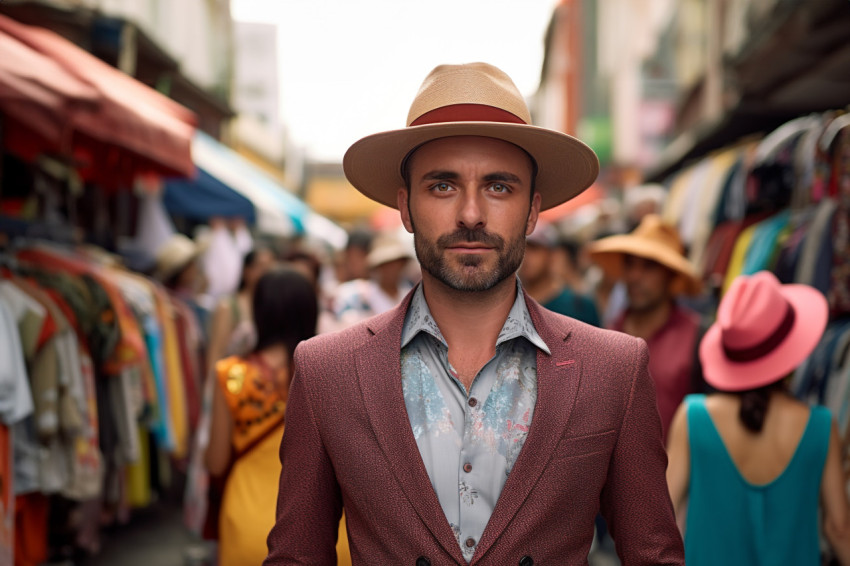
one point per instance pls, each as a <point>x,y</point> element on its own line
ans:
<point>15,396</point>
<point>768,236</point>
<point>469,441</point>
<point>732,521</point>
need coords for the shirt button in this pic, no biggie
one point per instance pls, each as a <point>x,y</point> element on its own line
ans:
<point>472,401</point>
<point>467,467</point>
<point>470,542</point>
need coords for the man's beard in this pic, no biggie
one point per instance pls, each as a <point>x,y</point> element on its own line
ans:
<point>646,304</point>
<point>467,274</point>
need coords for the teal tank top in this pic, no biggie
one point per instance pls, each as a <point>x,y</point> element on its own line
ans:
<point>731,521</point>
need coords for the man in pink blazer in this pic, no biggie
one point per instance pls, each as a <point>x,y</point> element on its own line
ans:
<point>469,425</point>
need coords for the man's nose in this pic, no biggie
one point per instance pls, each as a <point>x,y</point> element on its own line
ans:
<point>632,272</point>
<point>471,213</point>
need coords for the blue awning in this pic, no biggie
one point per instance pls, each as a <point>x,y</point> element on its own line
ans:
<point>279,212</point>
<point>205,197</point>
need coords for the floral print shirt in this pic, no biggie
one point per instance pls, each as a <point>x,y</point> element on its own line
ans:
<point>469,441</point>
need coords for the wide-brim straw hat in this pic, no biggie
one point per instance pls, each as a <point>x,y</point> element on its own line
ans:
<point>175,254</point>
<point>386,248</point>
<point>653,240</point>
<point>474,99</point>
<point>764,330</point>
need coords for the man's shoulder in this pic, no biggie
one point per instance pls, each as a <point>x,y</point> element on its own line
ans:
<point>339,342</point>
<point>345,341</point>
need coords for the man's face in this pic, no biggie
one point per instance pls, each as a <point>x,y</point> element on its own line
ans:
<point>469,208</point>
<point>647,282</point>
<point>355,263</point>
<point>389,274</point>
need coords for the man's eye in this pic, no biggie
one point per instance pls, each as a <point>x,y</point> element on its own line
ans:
<point>500,188</point>
<point>442,187</point>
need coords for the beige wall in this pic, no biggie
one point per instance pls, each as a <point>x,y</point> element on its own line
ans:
<point>197,33</point>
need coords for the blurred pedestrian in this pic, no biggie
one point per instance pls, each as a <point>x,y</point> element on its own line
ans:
<point>468,423</point>
<point>232,329</point>
<point>222,262</point>
<point>386,286</point>
<point>178,268</point>
<point>310,265</point>
<point>353,264</point>
<point>544,285</point>
<point>232,333</point>
<point>651,262</point>
<point>248,413</point>
<point>569,265</point>
<point>752,461</point>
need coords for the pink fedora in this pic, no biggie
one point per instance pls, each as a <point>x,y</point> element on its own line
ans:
<point>764,330</point>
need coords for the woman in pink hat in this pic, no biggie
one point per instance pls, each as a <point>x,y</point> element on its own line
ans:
<point>752,462</point>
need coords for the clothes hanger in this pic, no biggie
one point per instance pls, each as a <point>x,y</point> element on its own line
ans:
<point>832,130</point>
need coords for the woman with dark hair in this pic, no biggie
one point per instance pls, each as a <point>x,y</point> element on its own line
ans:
<point>754,464</point>
<point>248,414</point>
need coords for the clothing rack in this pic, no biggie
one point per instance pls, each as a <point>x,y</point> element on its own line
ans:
<point>804,163</point>
<point>128,344</point>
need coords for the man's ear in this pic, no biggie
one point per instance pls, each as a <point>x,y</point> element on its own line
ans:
<point>404,211</point>
<point>533,214</point>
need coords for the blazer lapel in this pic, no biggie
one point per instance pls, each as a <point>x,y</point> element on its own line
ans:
<point>558,378</point>
<point>379,376</point>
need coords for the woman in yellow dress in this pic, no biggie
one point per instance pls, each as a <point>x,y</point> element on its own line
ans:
<point>248,417</point>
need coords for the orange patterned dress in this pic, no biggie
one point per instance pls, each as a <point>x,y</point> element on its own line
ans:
<point>256,397</point>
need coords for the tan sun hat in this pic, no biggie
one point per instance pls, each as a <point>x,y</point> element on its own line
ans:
<point>175,254</point>
<point>387,247</point>
<point>474,99</point>
<point>653,240</point>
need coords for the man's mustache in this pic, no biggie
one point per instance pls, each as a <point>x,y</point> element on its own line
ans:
<point>471,236</point>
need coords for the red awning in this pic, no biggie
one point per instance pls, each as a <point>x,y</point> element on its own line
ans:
<point>134,129</point>
<point>38,97</point>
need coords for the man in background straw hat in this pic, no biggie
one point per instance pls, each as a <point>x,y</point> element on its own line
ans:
<point>469,424</point>
<point>359,299</point>
<point>547,287</point>
<point>651,262</point>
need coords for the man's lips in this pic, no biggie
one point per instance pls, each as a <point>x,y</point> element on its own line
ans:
<point>469,248</point>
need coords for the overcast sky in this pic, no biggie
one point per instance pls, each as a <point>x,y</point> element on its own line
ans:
<point>350,68</point>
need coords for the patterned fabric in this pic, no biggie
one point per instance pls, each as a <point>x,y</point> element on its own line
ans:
<point>469,441</point>
<point>255,396</point>
<point>355,301</point>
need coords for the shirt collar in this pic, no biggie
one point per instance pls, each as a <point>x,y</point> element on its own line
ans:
<point>418,319</point>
